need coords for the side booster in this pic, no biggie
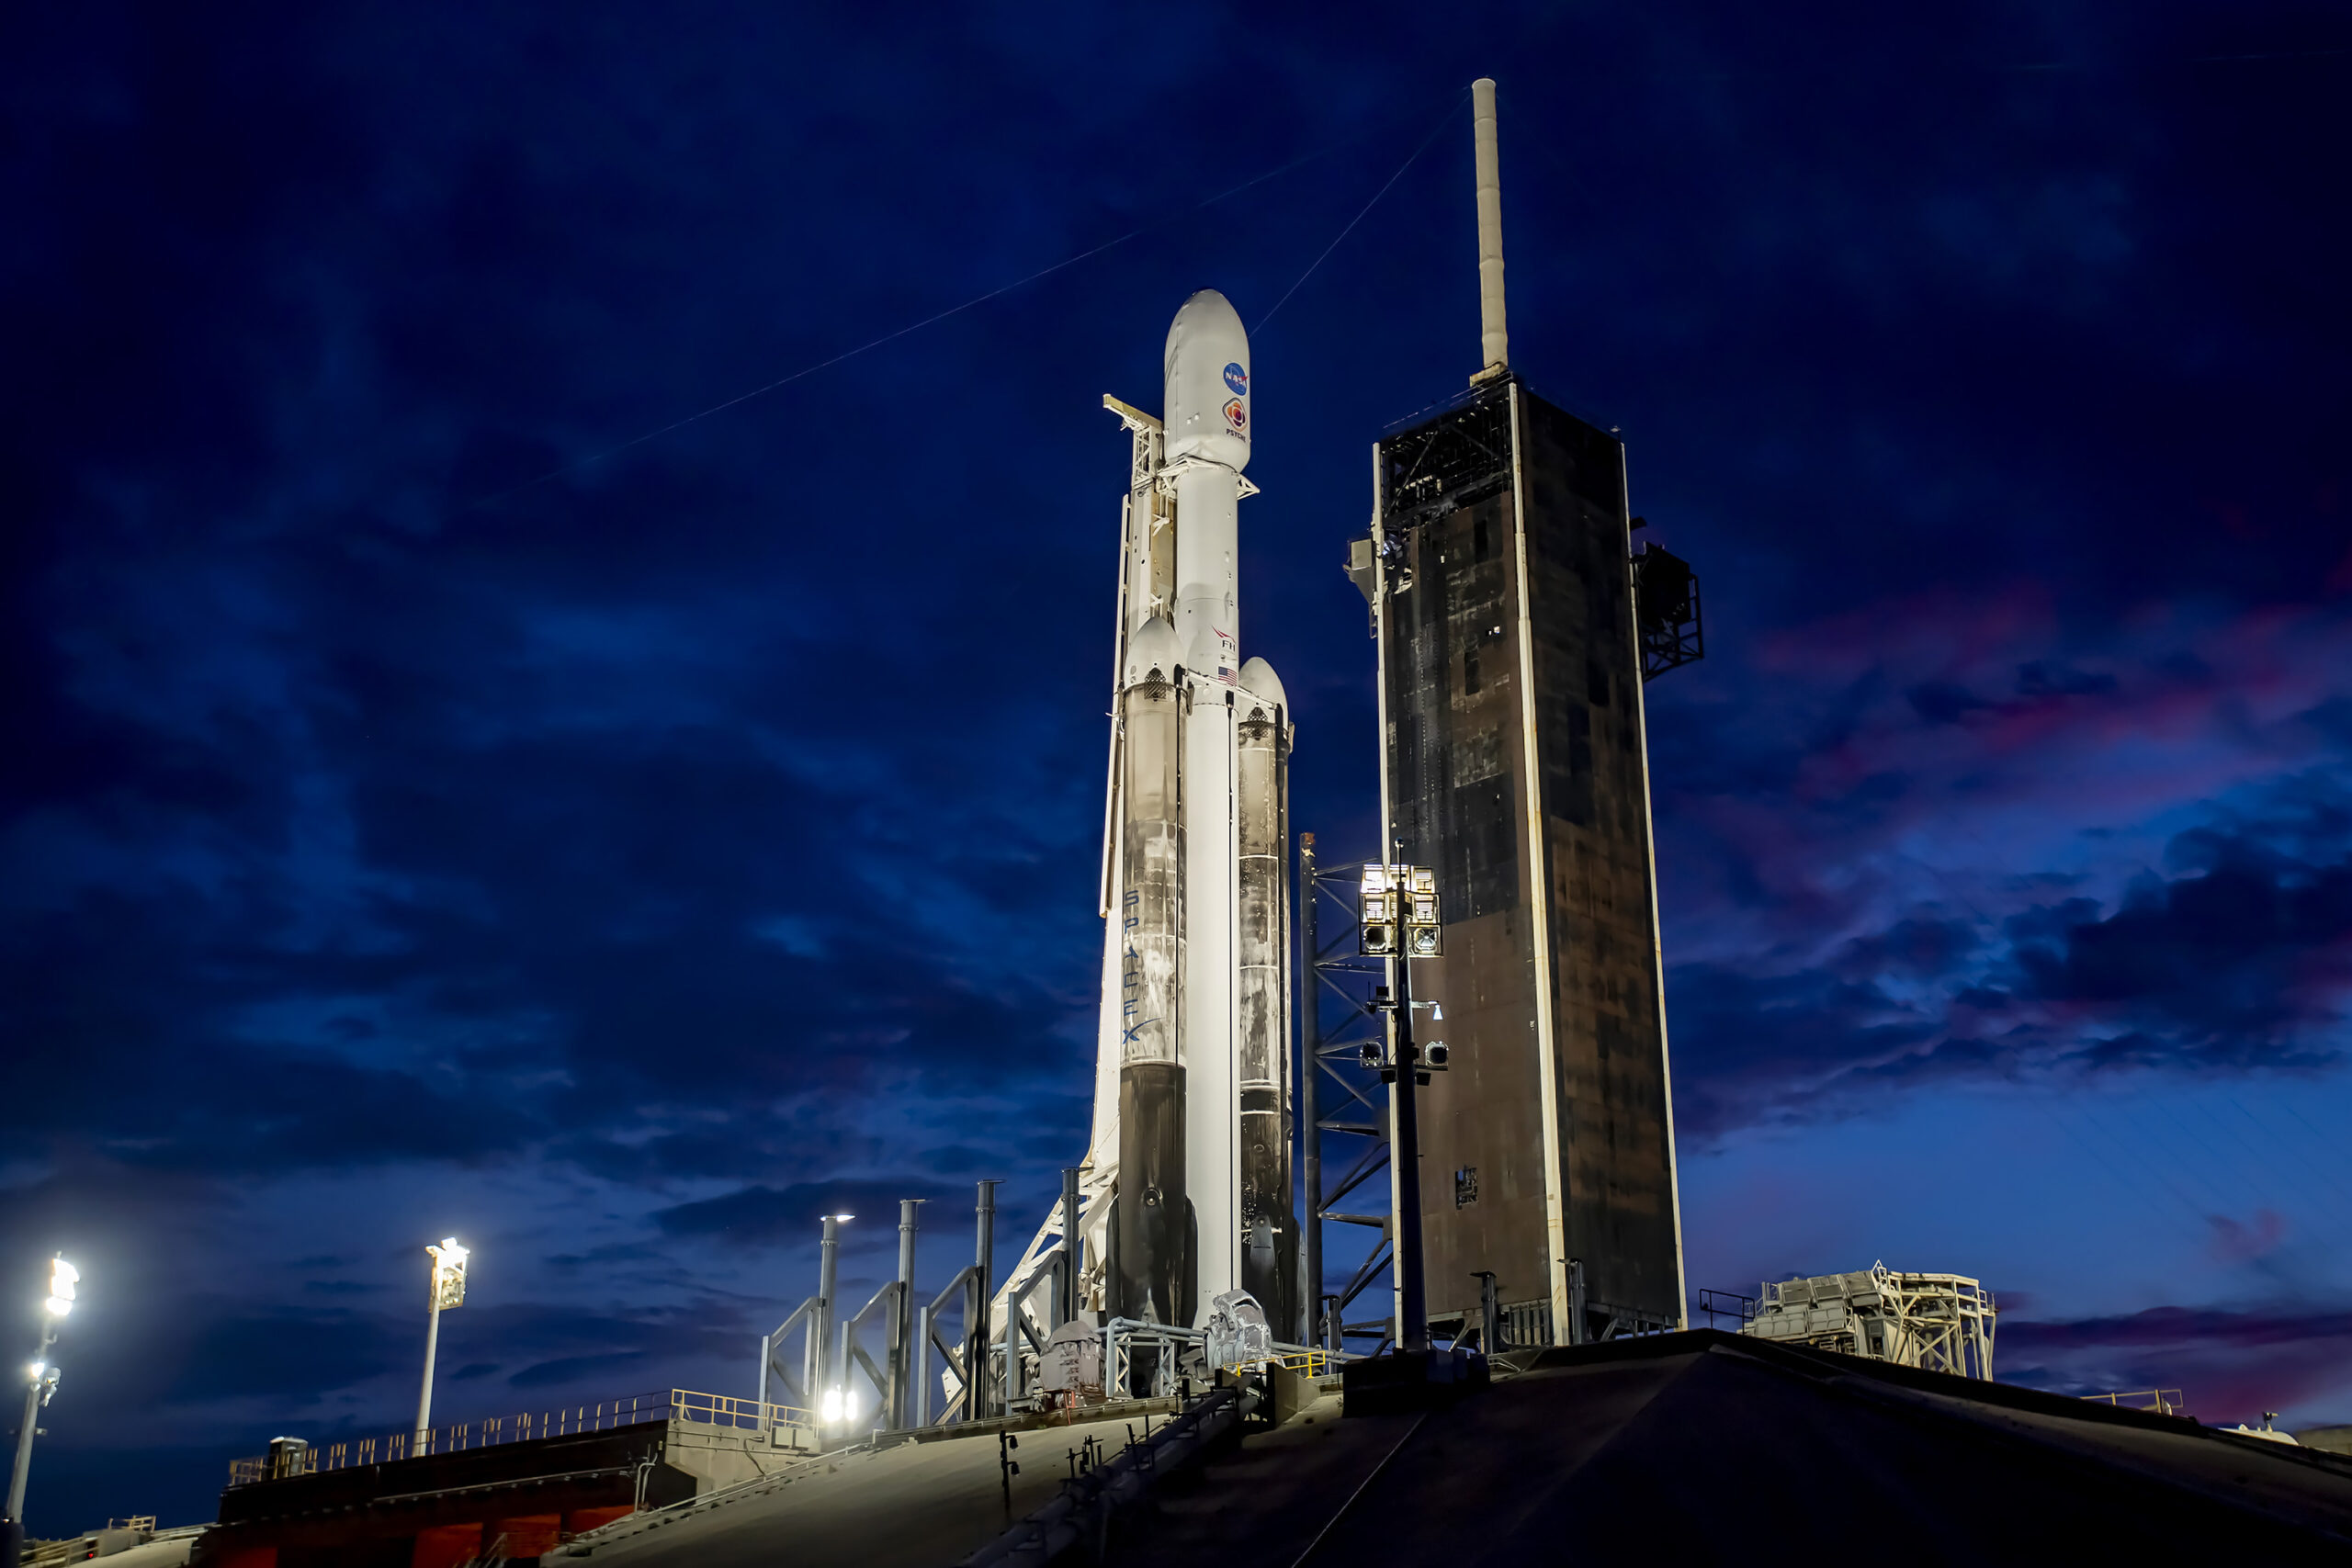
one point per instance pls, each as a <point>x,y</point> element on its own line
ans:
<point>1192,1126</point>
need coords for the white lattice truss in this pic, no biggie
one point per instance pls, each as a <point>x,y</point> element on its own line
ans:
<point>1940,1322</point>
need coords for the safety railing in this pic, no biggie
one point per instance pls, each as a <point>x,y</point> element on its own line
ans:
<point>289,1459</point>
<point>2163,1401</point>
<point>1314,1361</point>
<point>84,1547</point>
<point>1740,1310</point>
<point>735,1414</point>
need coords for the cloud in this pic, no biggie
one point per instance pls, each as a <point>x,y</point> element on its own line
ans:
<point>1925,945</point>
<point>2168,1325</point>
<point>2231,1363</point>
<point>2223,947</point>
<point>2241,961</point>
<point>285,1356</point>
<point>756,1215</point>
<point>565,1371</point>
<point>1942,702</point>
<point>2237,1243</point>
<point>2049,678</point>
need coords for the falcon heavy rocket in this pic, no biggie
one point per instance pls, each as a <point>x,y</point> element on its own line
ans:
<point>1187,1181</point>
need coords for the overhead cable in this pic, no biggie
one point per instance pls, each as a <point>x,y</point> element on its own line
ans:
<point>576,465</point>
<point>1368,205</point>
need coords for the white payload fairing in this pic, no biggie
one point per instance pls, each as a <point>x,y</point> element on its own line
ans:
<point>1186,1185</point>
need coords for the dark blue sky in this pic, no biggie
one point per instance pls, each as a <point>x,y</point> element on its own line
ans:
<point>622,869</point>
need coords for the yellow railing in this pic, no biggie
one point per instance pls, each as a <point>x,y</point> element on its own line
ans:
<point>742,1414</point>
<point>1313,1363</point>
<point>629,1410</point>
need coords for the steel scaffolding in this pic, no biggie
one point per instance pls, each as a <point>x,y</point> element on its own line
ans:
<point>1336,1022</point>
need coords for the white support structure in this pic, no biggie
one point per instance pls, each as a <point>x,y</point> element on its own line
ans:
<point>1123,1336</point>
<point>1942,1322</point>
<point>1094,1215</point>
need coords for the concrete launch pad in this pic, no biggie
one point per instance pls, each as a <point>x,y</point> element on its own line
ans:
<point>915,1505</point>
<point>1672,1445</point>
<point>1703,1446</point>
<point>1680,1444</point>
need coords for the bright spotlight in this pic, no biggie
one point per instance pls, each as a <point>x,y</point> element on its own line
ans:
<point>448,1273</point>
<point>62,1278</point>
<point>834,1408</point>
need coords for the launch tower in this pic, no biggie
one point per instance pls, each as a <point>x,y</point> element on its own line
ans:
<point>1511,654</point>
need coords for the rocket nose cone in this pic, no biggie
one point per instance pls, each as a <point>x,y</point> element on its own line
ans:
<point>1207,374</point>
<point>1258,679</point>
<point>1153,653</point>
<point>1206,313</point>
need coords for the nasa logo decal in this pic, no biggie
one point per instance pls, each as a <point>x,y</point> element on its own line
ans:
<point>1236,415</point>
<point>1237,379</point>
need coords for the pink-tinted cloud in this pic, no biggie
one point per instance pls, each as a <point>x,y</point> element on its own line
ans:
<point>2231,1363</point>
<point>2237,1243</point>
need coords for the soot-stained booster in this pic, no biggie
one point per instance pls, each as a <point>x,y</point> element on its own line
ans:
<point>1186,1185</point>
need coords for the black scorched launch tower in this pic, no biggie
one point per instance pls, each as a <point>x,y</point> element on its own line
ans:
<point>1515,627</point>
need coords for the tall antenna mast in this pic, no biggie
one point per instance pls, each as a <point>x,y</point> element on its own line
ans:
<point>1494,338</point>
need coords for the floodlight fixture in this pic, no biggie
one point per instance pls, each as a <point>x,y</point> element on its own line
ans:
<point>833,1409</point>
<point>62,1278</point>
<point>1377,914</point>
<point>1376,934</point>
<point>448,1273</point>
<point>1397,914</point>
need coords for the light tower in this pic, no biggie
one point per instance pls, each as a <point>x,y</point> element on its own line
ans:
<point>448,1289</point>
<point>41,1386</point>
